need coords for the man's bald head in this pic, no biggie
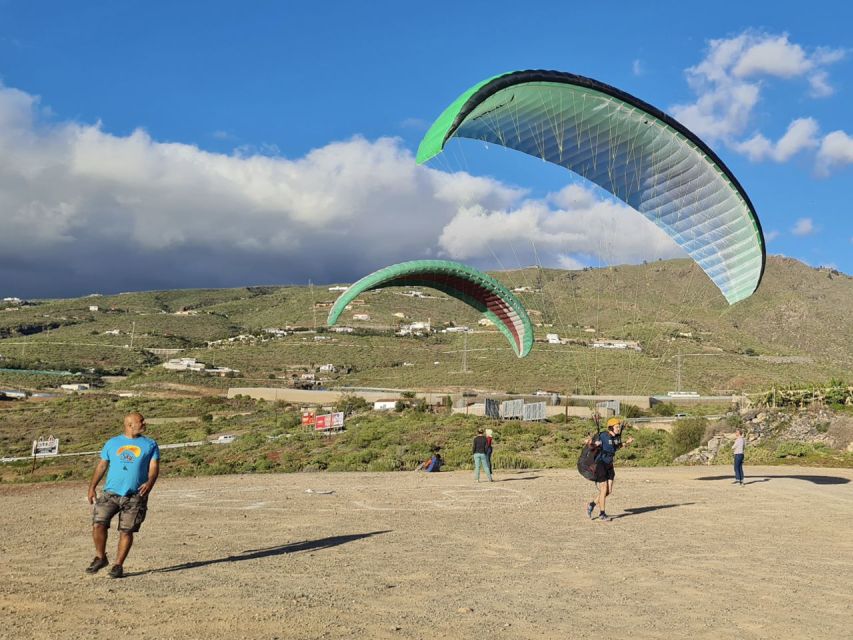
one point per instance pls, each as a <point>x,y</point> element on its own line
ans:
<point>134,424</point>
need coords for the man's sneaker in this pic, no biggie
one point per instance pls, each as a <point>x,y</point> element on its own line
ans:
<point>116,572</point>
<point>604,517</point>
<point>97,564</point>
<point>590,507</point>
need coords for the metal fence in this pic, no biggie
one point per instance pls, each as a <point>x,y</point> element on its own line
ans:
<point>512,409</point>
<point>533,411</point>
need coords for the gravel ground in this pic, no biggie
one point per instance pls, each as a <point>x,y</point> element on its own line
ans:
<point>409,555</point>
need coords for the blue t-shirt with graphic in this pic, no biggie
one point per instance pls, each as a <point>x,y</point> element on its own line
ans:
<point>129,459</point>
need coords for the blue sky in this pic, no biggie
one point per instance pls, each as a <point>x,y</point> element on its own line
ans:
<point>162,145</point>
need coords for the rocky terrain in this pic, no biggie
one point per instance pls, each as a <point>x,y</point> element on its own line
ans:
<point>763,427</point>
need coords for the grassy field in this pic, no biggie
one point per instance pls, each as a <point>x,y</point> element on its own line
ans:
<point>271,439</point>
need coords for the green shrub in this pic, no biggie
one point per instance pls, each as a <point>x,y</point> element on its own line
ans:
<point>632,411</point>
<point>800,449</point>
<point>663,409</point>
<point>686,435</point>
<point>350,404</point>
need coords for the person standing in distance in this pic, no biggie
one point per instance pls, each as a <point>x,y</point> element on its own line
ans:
<point>132,464</point>
<point>737,450</point>
<point>490,440</point>
<point>480,458</point>
<point>610,442</point>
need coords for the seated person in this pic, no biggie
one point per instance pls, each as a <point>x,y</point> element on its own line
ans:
<point>433,464</point>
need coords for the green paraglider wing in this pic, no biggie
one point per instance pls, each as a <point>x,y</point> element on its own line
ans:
<point>631,149</point>
<point>464,283</point>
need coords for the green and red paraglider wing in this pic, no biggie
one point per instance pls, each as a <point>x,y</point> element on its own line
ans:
<point>459,281</point>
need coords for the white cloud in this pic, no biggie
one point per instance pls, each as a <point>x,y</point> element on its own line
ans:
<point>801,134</point>
<point>419,124</point>
<point>728,85</point>
<point>836,149</point>
<point>637,67</point>
<point>772,56</point>
<point>804,227</point>
<point>85,210</point>
<point>770,236</point>
<point>571,263</point>
<point>570,223</point>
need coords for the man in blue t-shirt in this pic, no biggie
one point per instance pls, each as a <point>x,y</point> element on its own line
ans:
<point>609,442</point>
<point>132,464</point>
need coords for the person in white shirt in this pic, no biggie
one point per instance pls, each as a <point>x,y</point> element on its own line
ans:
<point>737,450</point>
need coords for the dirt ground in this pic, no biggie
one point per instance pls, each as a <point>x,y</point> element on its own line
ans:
<point>410,555</point>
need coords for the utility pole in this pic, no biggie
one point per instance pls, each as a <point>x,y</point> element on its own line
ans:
<point>313,303</point>
<point>132,333</point>
<point>465,353</point>
<point>678,372</point>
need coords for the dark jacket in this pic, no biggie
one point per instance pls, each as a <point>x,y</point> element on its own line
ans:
<point>480,444</point>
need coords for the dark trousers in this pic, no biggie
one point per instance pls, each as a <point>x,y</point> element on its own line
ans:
<point>739,467</point>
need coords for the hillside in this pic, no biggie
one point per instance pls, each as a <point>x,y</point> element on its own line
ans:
<point>796,330</point>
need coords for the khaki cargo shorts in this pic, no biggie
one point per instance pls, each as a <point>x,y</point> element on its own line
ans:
<point>131,511</point>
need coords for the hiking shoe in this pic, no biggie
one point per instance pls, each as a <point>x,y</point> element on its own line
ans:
<point>590,507</point>
<point>97,565</point>
<point>604,517</point>
<point>116,572</point>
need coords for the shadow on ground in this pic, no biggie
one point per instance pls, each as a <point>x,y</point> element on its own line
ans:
<point>254,554</point>
<point>656,507</point>
<point>515,479</point>
<point>767,478</point>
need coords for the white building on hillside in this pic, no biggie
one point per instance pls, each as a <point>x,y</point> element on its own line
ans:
<point>384,405</point>
<point>616,344</point>
<point>183,364</point>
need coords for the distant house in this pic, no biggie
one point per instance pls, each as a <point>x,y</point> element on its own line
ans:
<point>552,338</point>
<point>415,328</point>
<point>363,317</point>
<point>307,376</point>
<point>341,329</point>
<point>222,372</point>
<point>80,386</point>
<point>462,329</point>
<point>275,332</point>
<point>111,332</point>
<point>384,405</point>
<point>327,368</point>
<point>485,322</point>
<point>183,364</point>
<point>338,288</point>
<point>616,344</point>
<point>93,307</point>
